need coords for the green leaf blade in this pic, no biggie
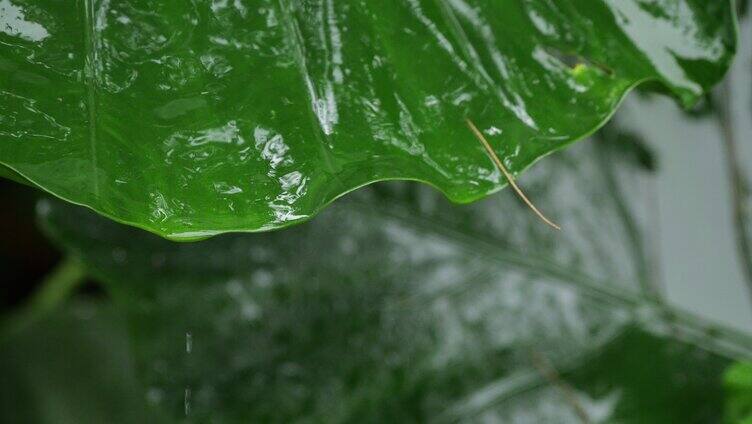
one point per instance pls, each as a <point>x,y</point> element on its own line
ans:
<point>192,121</point>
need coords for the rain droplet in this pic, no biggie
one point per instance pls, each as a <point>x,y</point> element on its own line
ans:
<point>119,255</point>
<point>187,401</point>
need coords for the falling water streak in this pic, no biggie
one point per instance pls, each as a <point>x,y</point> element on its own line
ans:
<point>187,396</point>
<point>187,401</point>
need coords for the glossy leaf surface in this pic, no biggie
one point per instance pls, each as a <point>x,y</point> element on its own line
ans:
<point>394,306</point>
<point>191,118</point>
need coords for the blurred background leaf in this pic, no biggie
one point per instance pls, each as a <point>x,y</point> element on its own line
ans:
<point>738,382</point>
<point>73,367</point>
<point>394,305</point>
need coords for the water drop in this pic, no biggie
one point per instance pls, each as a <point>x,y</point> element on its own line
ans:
<point>187,401</point>
<point>119,255</point>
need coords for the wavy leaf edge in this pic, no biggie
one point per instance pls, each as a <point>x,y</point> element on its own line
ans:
<point>10,172</point>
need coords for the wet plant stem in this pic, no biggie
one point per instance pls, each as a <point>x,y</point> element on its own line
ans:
<point>56,287</point>
<point>739,189</point>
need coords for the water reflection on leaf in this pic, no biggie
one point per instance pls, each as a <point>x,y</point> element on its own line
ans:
<point>139,108</point>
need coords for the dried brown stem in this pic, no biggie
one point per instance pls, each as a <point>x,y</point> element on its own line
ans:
<point>543,365</point>
<point>507,174</point>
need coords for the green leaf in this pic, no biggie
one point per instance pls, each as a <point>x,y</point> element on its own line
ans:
<point>394,306</point>
<point>192,118</point>
<point>10,174</point>
<point>738,382</point>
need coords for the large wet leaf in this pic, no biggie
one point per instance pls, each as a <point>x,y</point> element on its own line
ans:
<point>394,306</point>
<point>190,118</point>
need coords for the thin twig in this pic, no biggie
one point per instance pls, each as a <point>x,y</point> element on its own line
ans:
<point>543,365</point>
<point>739,189</point>
<point>634,236</point>
<point>507,174</point>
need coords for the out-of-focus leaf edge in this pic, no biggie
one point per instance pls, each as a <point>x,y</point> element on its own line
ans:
<point>7,172</point>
